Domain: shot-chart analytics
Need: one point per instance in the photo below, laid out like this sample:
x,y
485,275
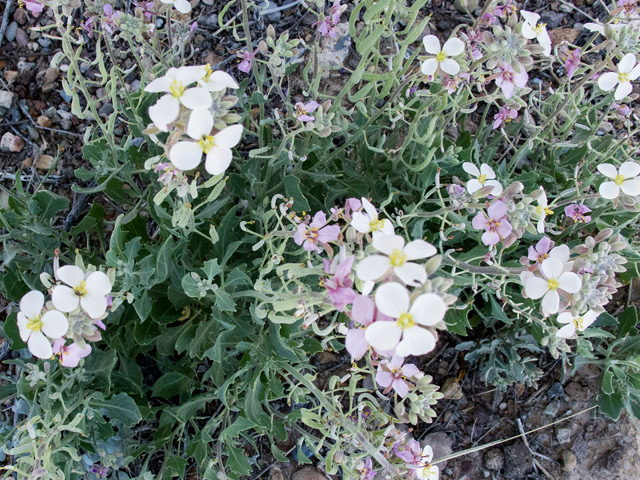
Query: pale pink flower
x,y
577,213
506,114
304,109
540,252
496,224
70,355
310,235
393,375
572,62
247,58
507,78
339,285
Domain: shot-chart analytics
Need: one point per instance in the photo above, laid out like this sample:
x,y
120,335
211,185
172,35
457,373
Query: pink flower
x,y
541,251
339,286
87,26
367,472
303,110
455,190
34,7
506,114
350,206
505,9
508,79
146,9
623,110
410,452
310,235
327,27
363,313
496,225
110,18
70,355
247,58
572,62
392,374
577,212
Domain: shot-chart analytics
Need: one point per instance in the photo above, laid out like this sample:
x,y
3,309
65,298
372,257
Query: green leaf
x,y
120,407
100,365
211,268
627,322
607,382
237,459
224,303
174,467
13,332
50,203
240,425
170,385
292,189
163,262
143,305
611,405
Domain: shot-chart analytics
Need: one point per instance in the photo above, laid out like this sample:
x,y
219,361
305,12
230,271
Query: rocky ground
x,y
40,136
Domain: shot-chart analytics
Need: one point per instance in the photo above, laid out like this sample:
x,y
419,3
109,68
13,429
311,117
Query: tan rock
x,y
11,143
26,163
559,35
43,121
451,389
308,473
569,461
10,75
44,163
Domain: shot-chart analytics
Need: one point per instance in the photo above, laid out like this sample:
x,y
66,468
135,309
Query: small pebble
x,y
569,461
11,32
44,163
494,460
6,99
11,143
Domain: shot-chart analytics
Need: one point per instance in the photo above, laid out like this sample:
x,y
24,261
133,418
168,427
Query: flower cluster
x,y
75,313
195,103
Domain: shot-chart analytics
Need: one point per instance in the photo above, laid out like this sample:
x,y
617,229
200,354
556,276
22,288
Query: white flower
x,y
601,28
405,334
34,325
627,71
90,292
183,6
175,82
547,288
532,29
452,48
398,259
369,222
217,81
217,148
579,323
625,179
427,471
542,210
484,177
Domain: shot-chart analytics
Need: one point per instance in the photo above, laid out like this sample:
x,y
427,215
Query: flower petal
x,y
388,243
473,186
158,85
229,137
471,169
428,309
431,44
54,324
561,252
609,190
218,160
164,111
416,341
627,63
392,299
373,267
569,282
624,89
565,317
453,47
94,305
31,303
450,66
497,187
629,169
186,155
22,326
552,268
567,331
411,273
631,187
356,343
71,275
64,298
200,123
383,335
39,346
196,97
190,74
608,170
550,302
429,66
183,6
98,284
536,287
530,17
419,249
607,81
220,80
487,171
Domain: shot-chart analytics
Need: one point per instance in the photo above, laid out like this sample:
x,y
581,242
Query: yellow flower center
x,y
176,88
579,323
441,56
207,144
208,71
539,28
541,211
623,77
80,289
553,284
542,257
397,258
405,321
548,211
619,180
482,178
34,324
375,224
